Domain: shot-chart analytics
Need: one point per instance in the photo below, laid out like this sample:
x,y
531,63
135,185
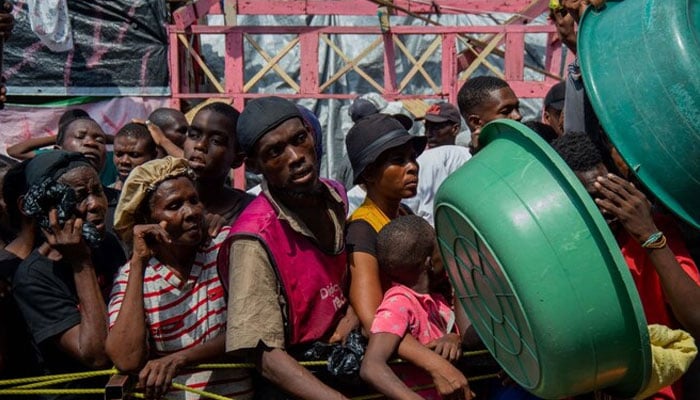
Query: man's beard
x,y
313,194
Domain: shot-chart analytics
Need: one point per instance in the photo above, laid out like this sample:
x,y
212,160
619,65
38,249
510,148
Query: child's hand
x,y
451,383
449,346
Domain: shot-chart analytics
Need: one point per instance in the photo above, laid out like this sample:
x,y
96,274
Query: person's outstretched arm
x,y
622,199
27,149
160,139
286,373
377,372
449,381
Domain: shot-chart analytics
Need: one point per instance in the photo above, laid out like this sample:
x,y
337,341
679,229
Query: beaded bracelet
x,y
656,240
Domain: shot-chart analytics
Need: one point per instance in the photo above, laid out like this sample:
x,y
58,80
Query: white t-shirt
x,y
435,164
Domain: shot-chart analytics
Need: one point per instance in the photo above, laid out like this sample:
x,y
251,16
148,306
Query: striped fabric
x,y
181,315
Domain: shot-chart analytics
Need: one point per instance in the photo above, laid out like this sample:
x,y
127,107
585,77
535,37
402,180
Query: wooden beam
x,y
230,12
418,64
189,14
467,56
214,80
351,64
482,56
272,63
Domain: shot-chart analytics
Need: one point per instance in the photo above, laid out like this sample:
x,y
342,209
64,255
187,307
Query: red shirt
x,y
648,283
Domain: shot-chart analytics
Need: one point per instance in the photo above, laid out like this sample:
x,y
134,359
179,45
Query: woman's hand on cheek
x,y
145,238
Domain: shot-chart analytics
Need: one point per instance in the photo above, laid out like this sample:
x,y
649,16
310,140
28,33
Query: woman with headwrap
x,y
167,309
59,286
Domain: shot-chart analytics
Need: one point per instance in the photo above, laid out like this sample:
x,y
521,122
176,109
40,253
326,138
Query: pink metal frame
x,y
514,35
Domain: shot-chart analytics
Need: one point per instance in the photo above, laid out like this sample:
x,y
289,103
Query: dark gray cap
x,y
53,163
260,116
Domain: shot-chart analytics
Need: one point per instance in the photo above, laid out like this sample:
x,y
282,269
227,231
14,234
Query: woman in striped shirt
x,y
167,310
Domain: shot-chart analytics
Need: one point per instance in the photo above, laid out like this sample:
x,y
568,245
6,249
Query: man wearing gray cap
x,y
553,107
285,258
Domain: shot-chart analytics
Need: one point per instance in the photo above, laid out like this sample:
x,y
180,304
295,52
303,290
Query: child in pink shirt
x,y
404,250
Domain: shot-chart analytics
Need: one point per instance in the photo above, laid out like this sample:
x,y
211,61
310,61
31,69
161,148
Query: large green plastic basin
x,y
640,61
538,271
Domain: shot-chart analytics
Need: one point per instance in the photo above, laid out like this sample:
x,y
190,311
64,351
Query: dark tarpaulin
x,y
120,48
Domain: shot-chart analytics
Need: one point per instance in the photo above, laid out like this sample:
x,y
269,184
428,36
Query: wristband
x,y
656,240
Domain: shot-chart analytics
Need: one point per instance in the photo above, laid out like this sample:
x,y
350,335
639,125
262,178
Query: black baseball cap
x,y
555,97
443,112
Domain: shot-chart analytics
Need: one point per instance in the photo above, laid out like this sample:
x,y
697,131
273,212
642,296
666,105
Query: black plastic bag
x,y
344,360
48,194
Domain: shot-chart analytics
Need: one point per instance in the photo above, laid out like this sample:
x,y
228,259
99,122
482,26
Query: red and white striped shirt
x,y
181,315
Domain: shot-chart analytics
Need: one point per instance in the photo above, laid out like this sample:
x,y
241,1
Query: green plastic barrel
x,y
640,61
538,271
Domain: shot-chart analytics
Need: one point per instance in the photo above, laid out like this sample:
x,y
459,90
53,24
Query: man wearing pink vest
x,y
285,257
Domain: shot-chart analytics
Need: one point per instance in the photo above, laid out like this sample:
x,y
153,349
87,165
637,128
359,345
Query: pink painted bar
x,y
363,7
320,96
530,89
234,66
174,64
524,89
449,67
368,30
308,45
390,86
515,53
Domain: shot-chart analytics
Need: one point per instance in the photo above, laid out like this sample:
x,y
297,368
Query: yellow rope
x,y
200,392
74,375
50,391
143,396
45,383
310,363
29,385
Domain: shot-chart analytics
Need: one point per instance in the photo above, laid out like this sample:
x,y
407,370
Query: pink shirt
x,y
426,316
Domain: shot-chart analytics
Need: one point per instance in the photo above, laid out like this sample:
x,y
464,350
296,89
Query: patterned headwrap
x,y
142,181
45,193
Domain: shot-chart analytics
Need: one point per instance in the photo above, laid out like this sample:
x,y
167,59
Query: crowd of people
x,y
159,264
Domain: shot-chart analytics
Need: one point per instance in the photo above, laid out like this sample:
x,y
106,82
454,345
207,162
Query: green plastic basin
x,y
539,272
640,61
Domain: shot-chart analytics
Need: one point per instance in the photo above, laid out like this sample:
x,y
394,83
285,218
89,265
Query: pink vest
x,y
312,281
